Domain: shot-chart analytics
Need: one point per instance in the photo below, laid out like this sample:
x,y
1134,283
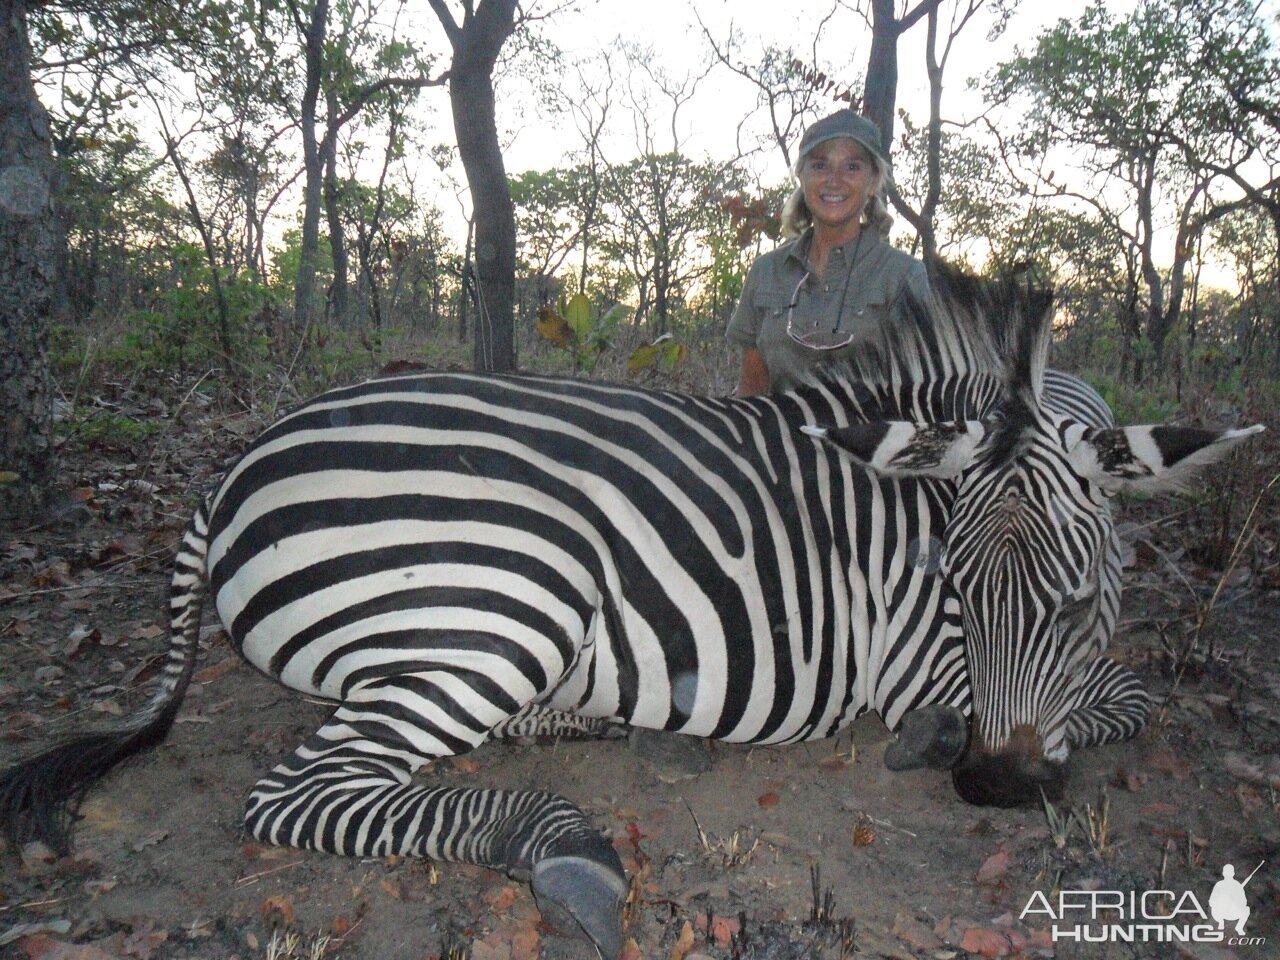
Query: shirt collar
x,y
798,248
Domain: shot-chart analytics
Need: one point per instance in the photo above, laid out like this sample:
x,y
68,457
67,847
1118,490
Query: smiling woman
x,y
838,282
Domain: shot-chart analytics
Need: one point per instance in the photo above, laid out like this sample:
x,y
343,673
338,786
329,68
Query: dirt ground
x,y
806,851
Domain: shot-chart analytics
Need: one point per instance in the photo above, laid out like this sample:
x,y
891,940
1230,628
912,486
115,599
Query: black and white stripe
x,y
652,559
453,558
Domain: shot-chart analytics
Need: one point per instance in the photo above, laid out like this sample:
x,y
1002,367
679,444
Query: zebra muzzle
x,y
933,737
1016,775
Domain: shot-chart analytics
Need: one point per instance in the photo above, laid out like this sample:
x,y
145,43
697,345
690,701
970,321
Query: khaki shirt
x,y
863,290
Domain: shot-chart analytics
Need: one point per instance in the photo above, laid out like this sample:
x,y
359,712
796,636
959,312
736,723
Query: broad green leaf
x,y
642,358
578,315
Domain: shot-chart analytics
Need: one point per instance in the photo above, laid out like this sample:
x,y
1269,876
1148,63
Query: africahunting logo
x,y
1151,916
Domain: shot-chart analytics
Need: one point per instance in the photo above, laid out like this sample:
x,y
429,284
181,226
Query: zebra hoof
x,y
578,895
934,737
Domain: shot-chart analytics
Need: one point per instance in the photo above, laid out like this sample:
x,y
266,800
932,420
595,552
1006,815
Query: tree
x,y
554,210
27,257
1166,106
28,225
880,94
333,75
476,42
662,211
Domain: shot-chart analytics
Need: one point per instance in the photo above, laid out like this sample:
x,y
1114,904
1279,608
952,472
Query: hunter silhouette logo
x,y
1228,901
1150,916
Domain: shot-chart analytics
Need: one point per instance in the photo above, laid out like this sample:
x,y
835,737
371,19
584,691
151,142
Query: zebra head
x,y
1031,552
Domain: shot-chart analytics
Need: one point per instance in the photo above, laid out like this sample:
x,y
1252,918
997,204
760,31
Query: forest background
x,y
241,203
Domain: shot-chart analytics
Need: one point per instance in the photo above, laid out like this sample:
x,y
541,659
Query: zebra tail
x,y
39,796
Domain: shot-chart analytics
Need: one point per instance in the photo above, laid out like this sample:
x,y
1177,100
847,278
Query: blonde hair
x,y
796,217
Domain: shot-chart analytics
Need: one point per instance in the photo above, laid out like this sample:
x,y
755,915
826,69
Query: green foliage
x,y
665,353
1162,108
585,333
104,428
1134,404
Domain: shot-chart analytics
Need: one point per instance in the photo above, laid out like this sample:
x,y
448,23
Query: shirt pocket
x,y
771,302
869,311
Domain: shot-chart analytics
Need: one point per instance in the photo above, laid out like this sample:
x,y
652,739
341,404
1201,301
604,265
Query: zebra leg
x,y
1114,706
538,721
348,792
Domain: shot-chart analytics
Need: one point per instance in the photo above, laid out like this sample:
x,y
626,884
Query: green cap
x,y
844,123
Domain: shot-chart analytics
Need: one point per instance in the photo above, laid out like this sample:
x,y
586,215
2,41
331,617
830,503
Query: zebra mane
x,y
986,337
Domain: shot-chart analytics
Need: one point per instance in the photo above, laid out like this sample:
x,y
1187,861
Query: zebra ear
x,y
898,448
1151,458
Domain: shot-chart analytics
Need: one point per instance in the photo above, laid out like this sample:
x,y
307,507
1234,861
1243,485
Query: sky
x,y
669,34
671,29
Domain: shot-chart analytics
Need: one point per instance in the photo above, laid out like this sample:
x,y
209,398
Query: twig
x,y
891,826
255,877
4,598
1236,550
34,903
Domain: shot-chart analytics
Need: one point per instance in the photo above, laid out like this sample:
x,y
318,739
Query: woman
x,y
838,281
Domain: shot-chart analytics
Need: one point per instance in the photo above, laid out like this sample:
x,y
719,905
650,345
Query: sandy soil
x,y
726,844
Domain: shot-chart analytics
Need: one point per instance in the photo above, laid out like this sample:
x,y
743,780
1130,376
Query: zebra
x,y
450,558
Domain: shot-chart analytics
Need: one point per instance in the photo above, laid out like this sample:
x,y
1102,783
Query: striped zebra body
x,y
451,558
652,559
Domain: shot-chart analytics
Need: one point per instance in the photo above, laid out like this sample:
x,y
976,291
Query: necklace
x,y
848,277
823,339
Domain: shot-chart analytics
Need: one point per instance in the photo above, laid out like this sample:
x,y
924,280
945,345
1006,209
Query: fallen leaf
x,y
1166,761
723,930
343,926
143,943
985,943
150,840
278,908
78,635
1250,771
916,934
31,929
994,868
524,944
482,950
836,761
684,943
864,834
215,671
1131,780
500,898
42,947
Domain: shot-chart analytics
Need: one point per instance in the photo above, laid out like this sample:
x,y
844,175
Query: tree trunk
x,y
27,262
466,279
476,45
880,92
304,290
339,293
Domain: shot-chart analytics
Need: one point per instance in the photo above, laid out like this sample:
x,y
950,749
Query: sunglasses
x,y
822,340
